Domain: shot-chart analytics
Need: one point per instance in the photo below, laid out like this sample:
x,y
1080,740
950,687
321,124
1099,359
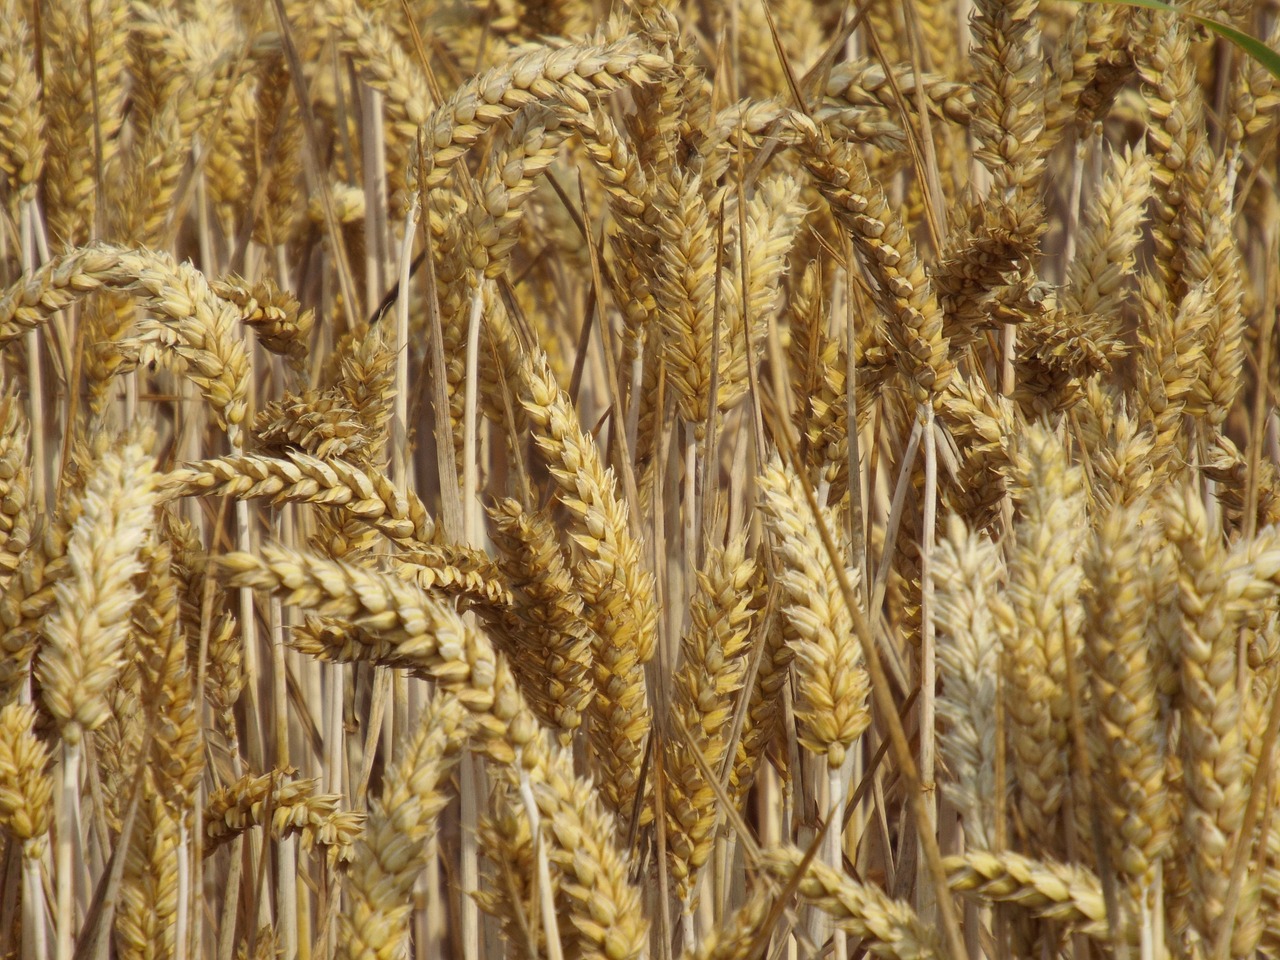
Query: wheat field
x,y
551,479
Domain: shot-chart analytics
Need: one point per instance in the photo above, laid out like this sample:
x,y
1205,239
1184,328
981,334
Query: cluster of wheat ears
x,y
516,478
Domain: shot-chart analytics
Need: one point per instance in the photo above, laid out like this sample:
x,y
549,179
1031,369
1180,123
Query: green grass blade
x,y
1249,44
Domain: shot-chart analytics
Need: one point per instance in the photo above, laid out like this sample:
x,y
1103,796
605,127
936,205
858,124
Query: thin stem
x,y
837,790
925,905
546,893
68,828
184,887
35,938
35,375
400,409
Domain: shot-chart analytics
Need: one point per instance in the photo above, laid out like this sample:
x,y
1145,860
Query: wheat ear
x,y
888,928
1044,584
970,598
194,327
706,684
833,684
299,478
393,849
1048,889
617,590
26,810
545,633
295,809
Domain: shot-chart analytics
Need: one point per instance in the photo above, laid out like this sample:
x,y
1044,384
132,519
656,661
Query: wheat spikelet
x,y
671,110
575,73
818,365
159,655
686,297
15,509
28,598
865,83
978,423
1227,467
888,928
1210,581
509,891
182,60
1253,99
1122,474
319,423
1171,363
1008,92
84,98
914,327
772,218
1089,66
392,850
967,579
85,633
230,154
630,196
146,915
277,318
1210,255
1175,140
1109,237
137,209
